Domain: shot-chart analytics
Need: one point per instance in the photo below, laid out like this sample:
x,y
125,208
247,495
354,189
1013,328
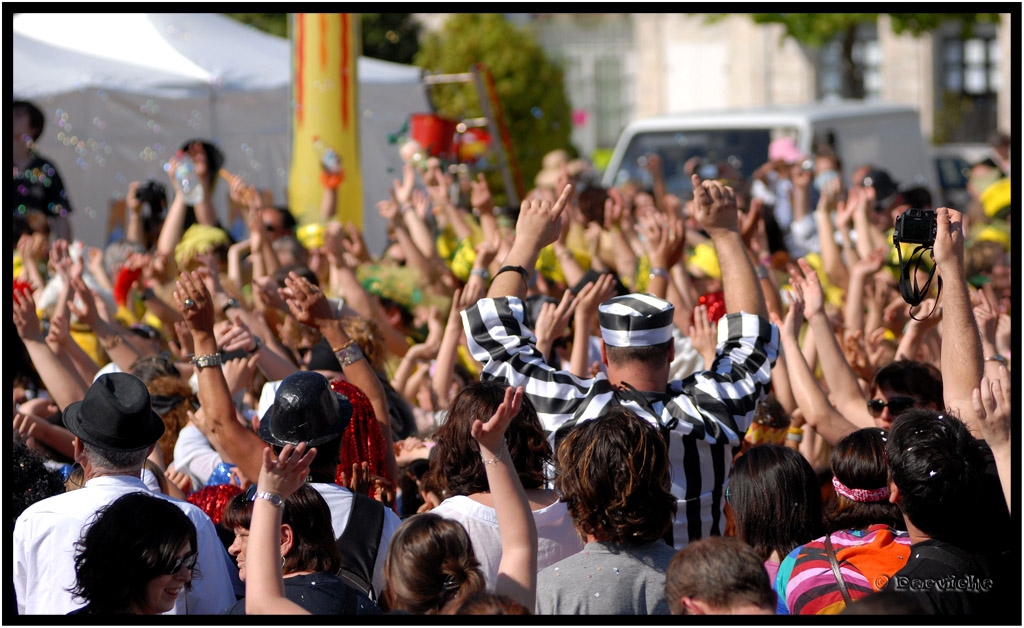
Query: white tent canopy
x,y
122,92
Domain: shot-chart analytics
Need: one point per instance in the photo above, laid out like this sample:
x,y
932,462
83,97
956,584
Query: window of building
x,y
849,66
969,84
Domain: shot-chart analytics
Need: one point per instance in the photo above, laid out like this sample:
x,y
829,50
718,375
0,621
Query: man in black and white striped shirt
x,y
703,417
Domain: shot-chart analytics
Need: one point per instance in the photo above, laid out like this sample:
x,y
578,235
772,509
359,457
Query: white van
x,y
884,135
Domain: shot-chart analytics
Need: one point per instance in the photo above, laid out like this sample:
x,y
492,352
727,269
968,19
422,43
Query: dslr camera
x,y
153,194
915,226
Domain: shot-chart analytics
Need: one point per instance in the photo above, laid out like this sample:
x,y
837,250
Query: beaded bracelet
x,y
497,459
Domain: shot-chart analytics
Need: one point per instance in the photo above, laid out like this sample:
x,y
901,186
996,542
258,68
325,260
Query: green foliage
x,y
273,23
390,36
816,29
528,84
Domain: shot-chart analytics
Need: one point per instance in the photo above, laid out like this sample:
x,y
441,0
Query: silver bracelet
x,y
348,353
496,460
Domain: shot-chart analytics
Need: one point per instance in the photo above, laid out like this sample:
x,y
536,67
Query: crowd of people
x,y
744,399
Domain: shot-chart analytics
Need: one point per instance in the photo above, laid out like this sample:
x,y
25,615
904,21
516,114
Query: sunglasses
x,y
897,405
727,497
145,331
188,560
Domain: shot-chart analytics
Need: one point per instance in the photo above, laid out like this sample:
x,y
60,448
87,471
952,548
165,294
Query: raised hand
x,y
553,321
285,474
307,302
404,188
540,222
704,335
594,294
25,319
806,278
714,205
993,406
480,195
948,250
194,302
492,433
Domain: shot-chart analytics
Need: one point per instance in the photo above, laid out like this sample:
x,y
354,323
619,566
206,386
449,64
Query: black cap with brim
x,y
115,414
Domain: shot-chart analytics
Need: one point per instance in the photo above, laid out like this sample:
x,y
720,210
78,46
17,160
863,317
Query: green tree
x,y
816,29
528,84
273,23
390,36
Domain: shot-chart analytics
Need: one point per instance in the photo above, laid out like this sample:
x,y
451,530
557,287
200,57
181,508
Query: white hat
x,y
635,320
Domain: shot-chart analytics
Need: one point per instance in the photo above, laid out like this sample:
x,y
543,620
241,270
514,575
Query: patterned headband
x,y
861,495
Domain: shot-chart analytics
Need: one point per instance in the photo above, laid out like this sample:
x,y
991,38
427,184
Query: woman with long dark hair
x,y
776,502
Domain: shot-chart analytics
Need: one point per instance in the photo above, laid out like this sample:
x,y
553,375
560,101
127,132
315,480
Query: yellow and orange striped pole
x,y
325,50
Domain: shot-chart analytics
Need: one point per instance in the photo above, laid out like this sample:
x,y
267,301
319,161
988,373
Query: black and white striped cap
x,y
635,320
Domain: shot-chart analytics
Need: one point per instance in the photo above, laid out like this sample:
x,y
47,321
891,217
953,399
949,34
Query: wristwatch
x,y
203,361
274,499
230,303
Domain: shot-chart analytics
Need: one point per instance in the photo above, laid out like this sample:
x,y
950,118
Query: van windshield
x,y
721,153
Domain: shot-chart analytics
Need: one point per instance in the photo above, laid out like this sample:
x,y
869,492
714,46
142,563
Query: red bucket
x,y
434,133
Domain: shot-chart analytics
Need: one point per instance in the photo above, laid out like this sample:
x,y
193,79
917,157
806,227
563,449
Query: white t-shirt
x,y
556,535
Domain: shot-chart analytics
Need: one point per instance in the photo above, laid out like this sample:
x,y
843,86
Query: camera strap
x,y
915,294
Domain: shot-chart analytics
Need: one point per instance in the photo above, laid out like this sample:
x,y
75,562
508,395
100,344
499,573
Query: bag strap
x,y
360,542
831,552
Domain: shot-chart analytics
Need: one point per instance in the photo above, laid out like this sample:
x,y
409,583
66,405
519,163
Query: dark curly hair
x,y
430,563
32,479
455,463
858,461
938,468
613,475
131,541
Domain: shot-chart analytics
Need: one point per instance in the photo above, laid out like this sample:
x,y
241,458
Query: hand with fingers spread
x,y
669,250
307,302
553,322
591,296
355,244
239,373
704,335
994,414
404,189
26,321
480,195
358,481
804,276
60,332
184,341
287,472
993,405
490,435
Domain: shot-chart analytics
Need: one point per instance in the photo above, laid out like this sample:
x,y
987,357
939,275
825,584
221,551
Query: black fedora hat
x,y
305,410
115,414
